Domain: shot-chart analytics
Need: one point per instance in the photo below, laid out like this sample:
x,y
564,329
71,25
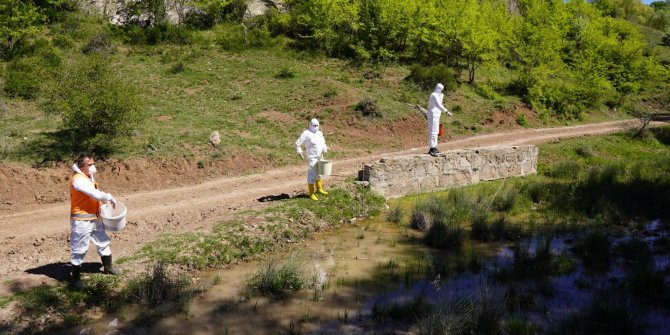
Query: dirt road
x,y
37,235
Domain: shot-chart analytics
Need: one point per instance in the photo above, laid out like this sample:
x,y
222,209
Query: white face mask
x,y
92,170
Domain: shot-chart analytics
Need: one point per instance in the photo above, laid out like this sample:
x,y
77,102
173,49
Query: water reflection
x,y
367,275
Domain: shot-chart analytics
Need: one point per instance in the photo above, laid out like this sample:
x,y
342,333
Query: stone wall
x,y
398,176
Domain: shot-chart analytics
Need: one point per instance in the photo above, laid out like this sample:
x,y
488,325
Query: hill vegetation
x,y
73,82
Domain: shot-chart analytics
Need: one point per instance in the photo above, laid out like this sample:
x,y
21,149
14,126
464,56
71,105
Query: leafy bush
x,y
428,76
238,37
199,19
666,39
23,78
368,108
96,105
156,34
521,120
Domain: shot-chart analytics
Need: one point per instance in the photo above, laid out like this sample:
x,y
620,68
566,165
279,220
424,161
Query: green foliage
x,y
521,120
223,10
239,37
99,44
156,34
285,73
18,20
368,108
427,76
97,107
23,78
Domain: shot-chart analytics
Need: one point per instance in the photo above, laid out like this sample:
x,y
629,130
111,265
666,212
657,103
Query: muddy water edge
x,y
374,276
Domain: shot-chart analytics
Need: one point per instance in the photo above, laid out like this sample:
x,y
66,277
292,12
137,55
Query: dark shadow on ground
x,y
269,198
61,270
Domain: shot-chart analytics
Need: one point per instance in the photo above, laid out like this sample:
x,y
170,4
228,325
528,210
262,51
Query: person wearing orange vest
x,y
85,222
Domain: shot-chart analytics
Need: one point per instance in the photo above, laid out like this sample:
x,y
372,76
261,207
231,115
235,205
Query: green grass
x,y
290,220
274,277
258,98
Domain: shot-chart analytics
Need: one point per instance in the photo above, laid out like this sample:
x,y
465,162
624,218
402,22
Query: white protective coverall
x,y
83,231
315,145
435,110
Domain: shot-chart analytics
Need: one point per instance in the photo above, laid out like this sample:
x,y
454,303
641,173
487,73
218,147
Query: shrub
x,y
368,108
177,68
285,73
666,39
428,76
521,120
199,19
240,37
23,78
99,44
585,151
96,105
155,34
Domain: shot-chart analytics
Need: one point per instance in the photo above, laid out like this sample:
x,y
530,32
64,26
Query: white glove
x,y
113,202
301,155
325,149
448,112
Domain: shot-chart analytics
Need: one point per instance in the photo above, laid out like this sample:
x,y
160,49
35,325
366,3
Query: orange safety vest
x,y
82,207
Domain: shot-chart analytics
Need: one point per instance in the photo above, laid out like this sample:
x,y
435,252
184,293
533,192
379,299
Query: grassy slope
x,y
240,95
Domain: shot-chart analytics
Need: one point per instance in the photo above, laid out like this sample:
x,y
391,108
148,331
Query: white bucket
x,y
324,167
114,219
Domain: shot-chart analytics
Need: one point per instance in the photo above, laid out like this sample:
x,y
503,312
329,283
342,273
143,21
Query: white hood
x,y
76,169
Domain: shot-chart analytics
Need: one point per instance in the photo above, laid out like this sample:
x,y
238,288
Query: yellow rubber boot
x,y
311,192
319,187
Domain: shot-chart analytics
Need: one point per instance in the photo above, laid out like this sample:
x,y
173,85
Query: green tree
x,y
18,20
97,106
480,28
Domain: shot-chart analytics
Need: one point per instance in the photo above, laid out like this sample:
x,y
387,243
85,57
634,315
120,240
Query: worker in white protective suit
x,y
435,110
85,222
315,145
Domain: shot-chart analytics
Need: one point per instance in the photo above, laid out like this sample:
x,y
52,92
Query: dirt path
x,y
38,236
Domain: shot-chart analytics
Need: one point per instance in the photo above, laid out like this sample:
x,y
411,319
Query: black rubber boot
x,y
433,152
75,279
107,264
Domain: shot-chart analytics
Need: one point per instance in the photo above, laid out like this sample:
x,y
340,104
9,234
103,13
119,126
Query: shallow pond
x,y
362,271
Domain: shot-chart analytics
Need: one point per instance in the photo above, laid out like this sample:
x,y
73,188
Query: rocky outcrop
x,y
401,175
116,11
